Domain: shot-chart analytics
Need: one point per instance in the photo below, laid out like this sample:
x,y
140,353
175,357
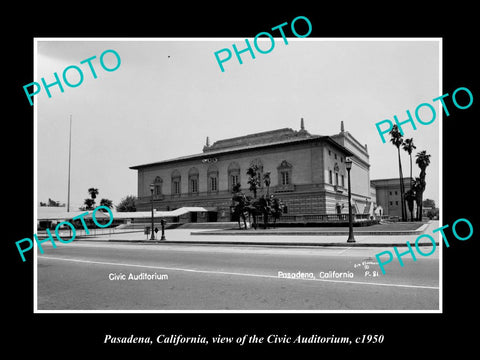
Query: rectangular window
x,y
343,180
285,178
391,203
213,184
330,179
158,190
234,180
176,187
336,178
194,185
396,202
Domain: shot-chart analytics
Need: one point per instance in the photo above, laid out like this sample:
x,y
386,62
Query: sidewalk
x,y
378,229
364,237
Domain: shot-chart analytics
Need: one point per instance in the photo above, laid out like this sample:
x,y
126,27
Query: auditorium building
x,y
307,173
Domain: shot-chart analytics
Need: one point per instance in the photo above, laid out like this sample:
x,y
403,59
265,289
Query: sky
x,y
168,95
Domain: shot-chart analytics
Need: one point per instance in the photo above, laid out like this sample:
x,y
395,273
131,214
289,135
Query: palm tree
x,y
267,181
89,204
253,179
106,202
408,146
410,198
419,187
239,203
396,138
423,160
93,193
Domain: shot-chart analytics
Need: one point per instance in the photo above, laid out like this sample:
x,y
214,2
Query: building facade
x,y
307,173
388,196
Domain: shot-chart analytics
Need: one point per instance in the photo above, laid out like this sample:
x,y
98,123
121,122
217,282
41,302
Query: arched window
x,y
233,174
212,179
193,181
176,183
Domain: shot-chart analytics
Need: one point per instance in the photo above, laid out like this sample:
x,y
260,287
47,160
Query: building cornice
x,y
232,150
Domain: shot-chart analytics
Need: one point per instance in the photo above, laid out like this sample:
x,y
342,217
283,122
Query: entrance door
x,y
193,217
338,207
212,216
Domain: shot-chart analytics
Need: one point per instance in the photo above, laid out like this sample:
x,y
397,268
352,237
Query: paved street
x,y
94,275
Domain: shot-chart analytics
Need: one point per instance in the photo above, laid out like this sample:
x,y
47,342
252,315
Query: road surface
x,y
108,276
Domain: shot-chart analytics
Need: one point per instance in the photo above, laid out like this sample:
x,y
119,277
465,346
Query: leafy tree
x,y
127,204
429,203
396,138
277,208
253,179
53,203
432,213
265,206
89,204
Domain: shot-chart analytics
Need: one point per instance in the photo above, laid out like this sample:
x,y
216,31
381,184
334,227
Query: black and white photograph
x,y
295,181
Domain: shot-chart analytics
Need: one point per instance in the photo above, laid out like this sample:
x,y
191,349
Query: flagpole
x,y
69,159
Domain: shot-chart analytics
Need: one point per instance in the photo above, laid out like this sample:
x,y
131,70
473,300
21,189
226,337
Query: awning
x,y
156,213
45,213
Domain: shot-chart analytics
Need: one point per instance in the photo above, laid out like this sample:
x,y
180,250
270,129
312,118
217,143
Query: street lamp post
x,y
351,239
152,236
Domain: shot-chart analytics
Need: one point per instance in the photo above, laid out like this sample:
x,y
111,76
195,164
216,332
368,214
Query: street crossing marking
x,y
235,273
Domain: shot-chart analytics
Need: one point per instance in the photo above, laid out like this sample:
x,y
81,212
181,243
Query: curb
x,y
333,233
261,232
257,243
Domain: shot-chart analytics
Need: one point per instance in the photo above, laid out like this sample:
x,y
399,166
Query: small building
x,y
388,196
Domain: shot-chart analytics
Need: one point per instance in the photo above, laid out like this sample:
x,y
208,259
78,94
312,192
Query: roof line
x,y
245,148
